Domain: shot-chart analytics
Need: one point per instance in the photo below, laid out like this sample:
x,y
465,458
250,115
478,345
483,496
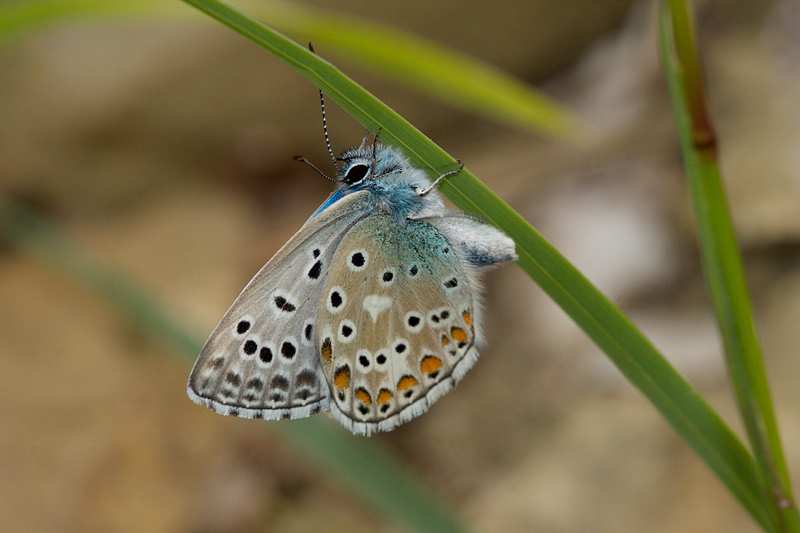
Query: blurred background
x,y
164,147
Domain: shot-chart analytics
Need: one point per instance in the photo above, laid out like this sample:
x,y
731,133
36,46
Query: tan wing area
x,y
396,328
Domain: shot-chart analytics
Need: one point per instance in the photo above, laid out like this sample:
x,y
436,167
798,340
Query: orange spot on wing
x,y
459,335
326,351
406,382
467,318
445,340
430,364
341,379
384,396
363,395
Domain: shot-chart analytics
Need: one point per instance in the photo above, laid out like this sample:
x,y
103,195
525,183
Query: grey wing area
x,y
261,361
398,327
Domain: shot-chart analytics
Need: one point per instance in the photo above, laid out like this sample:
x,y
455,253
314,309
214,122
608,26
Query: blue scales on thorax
x,y
392,182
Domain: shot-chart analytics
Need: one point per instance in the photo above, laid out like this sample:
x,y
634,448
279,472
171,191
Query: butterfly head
x,y
364,164
393,182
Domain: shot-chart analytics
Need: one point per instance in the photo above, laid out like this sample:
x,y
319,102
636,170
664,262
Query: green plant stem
x,y
722,262
454,78
450,76
633,354
21,15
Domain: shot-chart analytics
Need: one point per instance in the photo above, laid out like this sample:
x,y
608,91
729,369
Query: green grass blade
x,y
369,471
452,77
640,362
23,229
442,73
22,15
722,262
633,354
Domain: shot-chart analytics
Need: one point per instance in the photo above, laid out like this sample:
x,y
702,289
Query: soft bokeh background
x,y
165,147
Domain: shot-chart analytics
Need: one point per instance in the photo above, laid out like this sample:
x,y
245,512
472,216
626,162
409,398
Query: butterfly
x,y
371,310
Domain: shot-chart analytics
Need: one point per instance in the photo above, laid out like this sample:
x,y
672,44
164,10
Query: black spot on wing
x,y
250,347
315,270
284,305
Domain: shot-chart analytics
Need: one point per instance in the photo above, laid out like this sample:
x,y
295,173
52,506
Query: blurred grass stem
x,y
722,261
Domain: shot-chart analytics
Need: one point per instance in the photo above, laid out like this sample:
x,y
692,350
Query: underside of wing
x,y
262,360
397,327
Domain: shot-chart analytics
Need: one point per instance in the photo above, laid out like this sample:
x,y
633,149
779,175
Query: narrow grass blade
x,y
633,354
722,261
452,77
372,473
22,15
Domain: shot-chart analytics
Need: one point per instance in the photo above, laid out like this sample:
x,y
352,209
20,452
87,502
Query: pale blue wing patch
x,y
398,325
262,360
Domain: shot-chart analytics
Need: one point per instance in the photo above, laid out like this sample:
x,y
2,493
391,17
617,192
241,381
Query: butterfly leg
x,y
429,188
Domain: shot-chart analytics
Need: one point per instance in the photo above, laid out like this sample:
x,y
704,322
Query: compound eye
x,y
356,173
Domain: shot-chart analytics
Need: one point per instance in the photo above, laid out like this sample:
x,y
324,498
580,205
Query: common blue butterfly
x,y
370,311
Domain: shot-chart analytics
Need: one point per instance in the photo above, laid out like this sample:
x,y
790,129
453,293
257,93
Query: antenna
x,y
429,188
324,121
325,128
312,165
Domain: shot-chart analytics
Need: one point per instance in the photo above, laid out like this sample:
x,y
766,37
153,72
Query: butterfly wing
x,y
397,327
261,361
